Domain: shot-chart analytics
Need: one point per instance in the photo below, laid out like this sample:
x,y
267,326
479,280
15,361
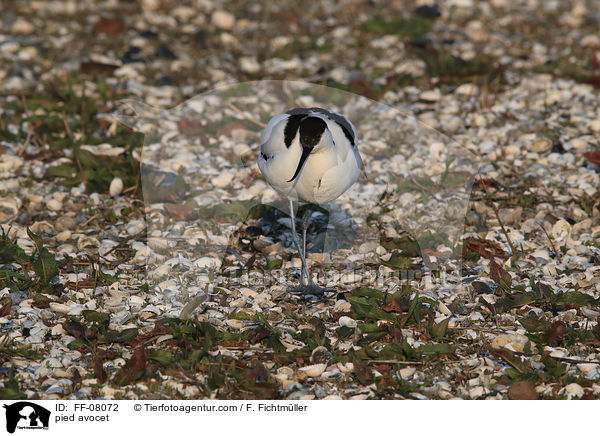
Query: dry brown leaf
x,y
110,26
555,334
484,248
522,390
97,68
509,357
396,306
133,370
99,369
75,329
6,306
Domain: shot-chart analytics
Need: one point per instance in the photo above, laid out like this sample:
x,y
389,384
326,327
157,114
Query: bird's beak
x,y
305,152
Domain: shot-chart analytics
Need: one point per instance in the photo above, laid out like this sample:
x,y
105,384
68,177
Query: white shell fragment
x,y
346,321
116,186
314,370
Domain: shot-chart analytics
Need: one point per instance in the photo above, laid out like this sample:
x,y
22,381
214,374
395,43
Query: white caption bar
x,y
220,417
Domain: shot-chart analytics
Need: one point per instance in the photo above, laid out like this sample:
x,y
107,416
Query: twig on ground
x,y
552,244
76,149
83,113
27,140
67,128
25,108
90,220
246,117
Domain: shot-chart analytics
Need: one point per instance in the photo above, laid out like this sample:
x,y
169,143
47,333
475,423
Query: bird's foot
x,y
310,289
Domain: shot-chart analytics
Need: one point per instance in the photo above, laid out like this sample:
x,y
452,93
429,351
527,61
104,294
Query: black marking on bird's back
x,y
348,135
291,128
303,110
311,130
265,156
341,120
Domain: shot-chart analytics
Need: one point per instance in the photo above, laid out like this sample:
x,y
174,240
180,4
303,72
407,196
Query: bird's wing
x,y
342,144
268,132
344,123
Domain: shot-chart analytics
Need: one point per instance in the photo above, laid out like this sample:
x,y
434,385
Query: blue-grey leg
x,y
305,221
305,280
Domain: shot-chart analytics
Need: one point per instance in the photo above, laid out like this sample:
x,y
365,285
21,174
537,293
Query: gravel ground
x,y
143,256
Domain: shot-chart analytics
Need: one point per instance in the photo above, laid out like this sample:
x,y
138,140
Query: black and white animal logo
x,y
26,415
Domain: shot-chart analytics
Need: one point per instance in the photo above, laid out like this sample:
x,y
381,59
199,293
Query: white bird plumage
x,y
332,166
310,155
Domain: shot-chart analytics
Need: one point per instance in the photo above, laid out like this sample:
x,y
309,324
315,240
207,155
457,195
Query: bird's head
x,y
313,137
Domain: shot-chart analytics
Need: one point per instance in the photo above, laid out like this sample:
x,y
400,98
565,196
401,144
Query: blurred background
x,y
180,48
69,61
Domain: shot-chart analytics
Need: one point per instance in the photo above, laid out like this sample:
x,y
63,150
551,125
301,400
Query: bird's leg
x,y
307,279
304,274
307,286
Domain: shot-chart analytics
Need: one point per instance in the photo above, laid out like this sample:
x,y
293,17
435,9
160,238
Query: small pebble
x,y
467,89
430,96
23,27
407,372
116,186
54,205
541,145
223,20
346,321
222,180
